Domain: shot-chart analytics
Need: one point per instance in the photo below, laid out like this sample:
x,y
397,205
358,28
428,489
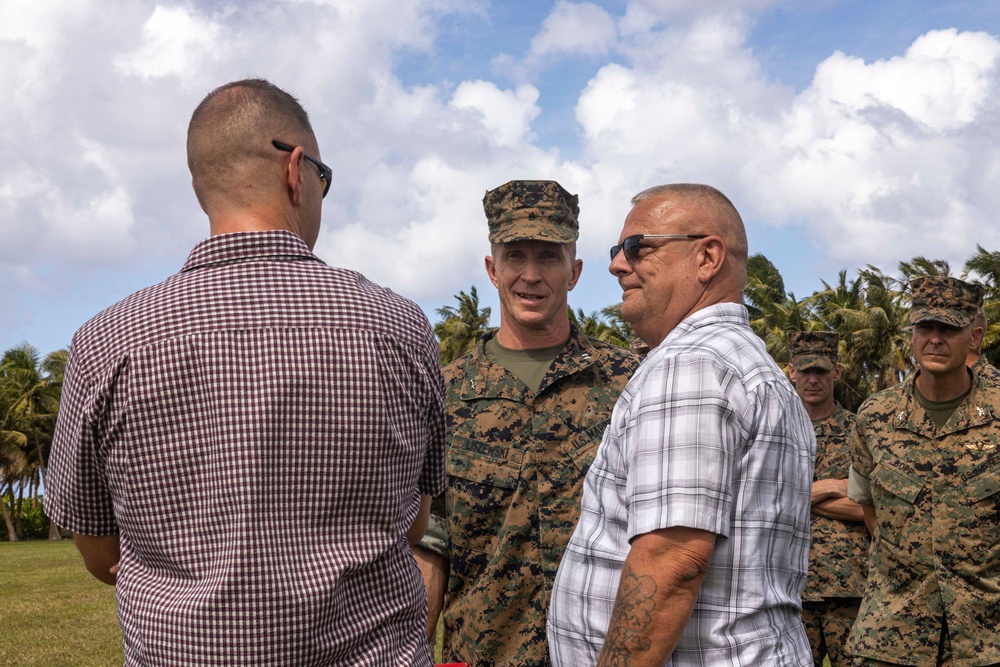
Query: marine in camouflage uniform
x,y
986,371
931,490
838,554
517,455
977,362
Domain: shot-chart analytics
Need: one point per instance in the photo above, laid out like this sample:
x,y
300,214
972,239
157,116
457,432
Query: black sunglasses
x,y
325,173
632,244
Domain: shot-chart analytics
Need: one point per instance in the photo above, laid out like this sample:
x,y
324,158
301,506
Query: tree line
x,y
869,312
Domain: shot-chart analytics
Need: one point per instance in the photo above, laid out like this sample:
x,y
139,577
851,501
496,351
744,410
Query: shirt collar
x,y
245,246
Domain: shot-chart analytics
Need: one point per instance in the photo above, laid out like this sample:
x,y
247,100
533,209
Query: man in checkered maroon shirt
x,y
248,448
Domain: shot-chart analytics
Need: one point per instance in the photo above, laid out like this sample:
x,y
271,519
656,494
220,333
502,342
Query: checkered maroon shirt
x,y
256,429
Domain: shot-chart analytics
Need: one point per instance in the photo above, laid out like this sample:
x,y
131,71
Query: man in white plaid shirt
x,y
692,544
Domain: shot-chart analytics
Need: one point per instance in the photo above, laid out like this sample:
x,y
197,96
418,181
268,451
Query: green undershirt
x,y
939,412
529,366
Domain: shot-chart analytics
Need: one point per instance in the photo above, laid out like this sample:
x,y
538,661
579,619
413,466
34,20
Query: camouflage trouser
x,y
828,624
944,656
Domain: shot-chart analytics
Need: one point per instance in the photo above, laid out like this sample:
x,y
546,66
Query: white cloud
x,y
574,28
174,41
874,161
883,160
940,83
643,15
506,115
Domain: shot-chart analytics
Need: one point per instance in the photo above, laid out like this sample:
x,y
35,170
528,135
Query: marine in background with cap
x,y
926,469
838,554
526,411
977,361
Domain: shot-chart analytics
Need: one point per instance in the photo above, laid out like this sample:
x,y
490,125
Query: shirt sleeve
x,y
432,477
859,488
436,537
679,447
77,496
861,455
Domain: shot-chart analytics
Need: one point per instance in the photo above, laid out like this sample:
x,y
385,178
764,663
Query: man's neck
x,y
822,411
516,338
944,387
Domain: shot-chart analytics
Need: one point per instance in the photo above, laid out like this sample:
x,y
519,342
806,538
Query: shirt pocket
x,y
480,492
982,495
582,448
895,491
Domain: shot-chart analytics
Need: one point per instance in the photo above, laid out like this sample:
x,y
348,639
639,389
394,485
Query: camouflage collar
x,y
484,379
976,410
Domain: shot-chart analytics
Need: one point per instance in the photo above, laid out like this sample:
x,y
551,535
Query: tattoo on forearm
x,y
631,617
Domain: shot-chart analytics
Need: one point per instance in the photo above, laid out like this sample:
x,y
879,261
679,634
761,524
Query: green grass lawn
x,y
52,611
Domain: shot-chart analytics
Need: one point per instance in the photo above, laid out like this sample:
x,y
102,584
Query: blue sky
x,y
847,133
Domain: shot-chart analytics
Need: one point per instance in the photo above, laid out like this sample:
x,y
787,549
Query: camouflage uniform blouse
x,y
936,548
515,462
986,370
838,556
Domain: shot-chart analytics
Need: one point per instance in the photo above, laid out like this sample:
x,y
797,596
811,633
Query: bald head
x,y
682,248
229,143
706,211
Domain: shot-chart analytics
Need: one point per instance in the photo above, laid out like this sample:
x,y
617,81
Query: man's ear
x,y
574,276
294,175
711,257
491,270
977,337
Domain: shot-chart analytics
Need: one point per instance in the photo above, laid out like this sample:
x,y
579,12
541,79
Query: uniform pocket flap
x,y
498,466
983,485
900,483
582,447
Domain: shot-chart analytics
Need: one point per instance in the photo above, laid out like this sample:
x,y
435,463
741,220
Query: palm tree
x,y
605,325
882,337
764,288
13,468
921,266
984,268
623,330
460,327
30,391
774,314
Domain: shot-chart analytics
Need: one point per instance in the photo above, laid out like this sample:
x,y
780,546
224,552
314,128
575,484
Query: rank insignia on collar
x,y
585,356
980,410
901,416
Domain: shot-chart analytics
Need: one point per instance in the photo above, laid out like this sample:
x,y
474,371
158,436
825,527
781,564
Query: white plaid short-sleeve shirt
x,y
708,434
257,429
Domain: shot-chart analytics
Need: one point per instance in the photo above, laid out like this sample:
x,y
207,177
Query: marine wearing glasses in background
x,y
925,466
526,411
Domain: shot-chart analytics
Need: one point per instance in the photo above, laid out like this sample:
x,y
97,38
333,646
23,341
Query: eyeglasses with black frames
x,y
633,244
325,173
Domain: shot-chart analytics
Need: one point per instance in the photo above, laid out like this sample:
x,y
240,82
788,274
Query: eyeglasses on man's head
x,y
325,173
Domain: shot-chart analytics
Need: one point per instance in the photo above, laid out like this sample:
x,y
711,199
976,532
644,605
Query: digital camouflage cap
x,y
532,210
814,349
944,299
